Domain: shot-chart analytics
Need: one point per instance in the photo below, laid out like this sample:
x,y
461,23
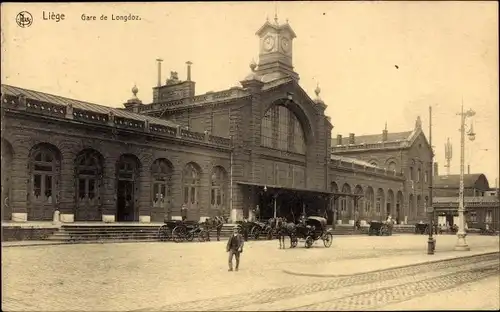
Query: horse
x,y
285,229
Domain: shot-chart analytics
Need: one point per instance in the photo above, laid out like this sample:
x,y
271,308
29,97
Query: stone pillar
x,y
19,186
143,187
109,190
67,186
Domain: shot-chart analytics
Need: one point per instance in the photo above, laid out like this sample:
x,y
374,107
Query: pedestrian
x,y
235,248
245,228
219,223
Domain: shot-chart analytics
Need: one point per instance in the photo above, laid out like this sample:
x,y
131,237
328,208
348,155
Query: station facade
x,y
263,148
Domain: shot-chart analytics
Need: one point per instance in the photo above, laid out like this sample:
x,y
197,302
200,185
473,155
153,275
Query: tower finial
x,y
386,126
317,90
135,90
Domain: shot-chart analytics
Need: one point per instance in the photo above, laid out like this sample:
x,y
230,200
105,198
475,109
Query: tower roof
x,y
276,27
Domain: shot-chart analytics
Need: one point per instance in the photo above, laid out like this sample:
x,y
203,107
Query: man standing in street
x,y
235,248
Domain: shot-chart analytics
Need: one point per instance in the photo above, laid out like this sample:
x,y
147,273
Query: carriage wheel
x,y
383,231
178,234
309,241
294,241
202,236
189,236
255,233
327,240
163,233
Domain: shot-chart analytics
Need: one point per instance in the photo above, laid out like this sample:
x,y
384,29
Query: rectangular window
x,y
81,189
219,198
48,186
193,195
213,197
186,195
378,206
92,188
37,185
489,216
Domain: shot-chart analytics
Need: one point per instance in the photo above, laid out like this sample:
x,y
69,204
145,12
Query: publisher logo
x,y
24,19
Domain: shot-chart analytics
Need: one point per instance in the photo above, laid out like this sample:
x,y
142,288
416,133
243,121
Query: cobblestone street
x,y
193,276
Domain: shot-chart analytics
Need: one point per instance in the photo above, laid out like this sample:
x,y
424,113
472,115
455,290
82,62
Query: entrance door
x,y
388,209
125,201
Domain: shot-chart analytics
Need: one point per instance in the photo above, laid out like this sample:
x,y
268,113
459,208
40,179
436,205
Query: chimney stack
x,y
436,169
384,133
159,60
351,138
188,70
468,169
339,139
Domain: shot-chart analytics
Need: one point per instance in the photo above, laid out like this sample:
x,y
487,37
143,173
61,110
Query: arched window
x,y
418,174
217,193
280,129
162,178
88,167
191,181
391,166
44,181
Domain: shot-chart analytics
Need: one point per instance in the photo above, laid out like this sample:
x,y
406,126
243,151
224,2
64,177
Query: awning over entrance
x,y
279,187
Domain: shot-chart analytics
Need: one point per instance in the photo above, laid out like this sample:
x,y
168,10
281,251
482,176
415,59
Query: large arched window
x,y
191,181
280,129
88,167
218,189
161,171
44,172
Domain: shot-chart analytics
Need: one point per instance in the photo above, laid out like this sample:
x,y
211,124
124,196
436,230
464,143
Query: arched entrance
x,y
390,204
127,189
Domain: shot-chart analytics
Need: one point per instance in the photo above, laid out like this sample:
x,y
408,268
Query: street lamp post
x,y
461,234
431,242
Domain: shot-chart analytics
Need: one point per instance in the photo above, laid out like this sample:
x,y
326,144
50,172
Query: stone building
x,y
481,207
265,145
405,153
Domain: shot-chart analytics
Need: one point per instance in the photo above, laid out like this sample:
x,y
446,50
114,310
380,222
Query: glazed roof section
x,y
54,106
86,106
375,141
350,164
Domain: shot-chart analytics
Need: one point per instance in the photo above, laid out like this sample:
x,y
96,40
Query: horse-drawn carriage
x,y
313,229
178,231
380,228
255,229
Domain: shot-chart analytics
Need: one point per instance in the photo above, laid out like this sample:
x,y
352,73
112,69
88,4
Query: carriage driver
x,y
234,247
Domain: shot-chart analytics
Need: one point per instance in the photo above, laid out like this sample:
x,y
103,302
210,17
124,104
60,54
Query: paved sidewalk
x,y
359,266
27,243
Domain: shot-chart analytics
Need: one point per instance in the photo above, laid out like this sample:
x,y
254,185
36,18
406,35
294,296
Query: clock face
x,y
268,43
285,44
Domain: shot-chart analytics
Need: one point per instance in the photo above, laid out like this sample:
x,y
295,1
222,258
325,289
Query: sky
x,y
375,62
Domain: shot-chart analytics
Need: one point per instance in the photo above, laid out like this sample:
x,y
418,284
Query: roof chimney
x,y
351,138
339,139
468,169
384,133
188,70
436,169
159,60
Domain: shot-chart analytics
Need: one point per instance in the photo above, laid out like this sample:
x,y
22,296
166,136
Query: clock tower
x,y
275,53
